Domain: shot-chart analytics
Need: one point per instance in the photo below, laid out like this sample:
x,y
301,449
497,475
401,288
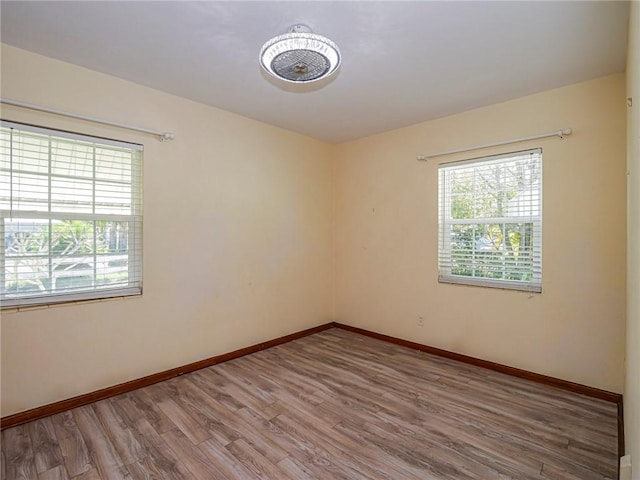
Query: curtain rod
x,y
161,135
558,133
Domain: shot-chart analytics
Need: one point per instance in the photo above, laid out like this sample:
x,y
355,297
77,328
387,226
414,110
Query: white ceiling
x,y
403,62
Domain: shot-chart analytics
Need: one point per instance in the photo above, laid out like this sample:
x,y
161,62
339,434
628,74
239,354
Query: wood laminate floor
x,y
334,405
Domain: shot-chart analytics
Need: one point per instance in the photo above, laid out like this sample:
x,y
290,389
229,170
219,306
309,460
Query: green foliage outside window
x,y
62,255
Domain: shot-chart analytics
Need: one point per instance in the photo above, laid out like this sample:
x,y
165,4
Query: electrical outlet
x,y
420,322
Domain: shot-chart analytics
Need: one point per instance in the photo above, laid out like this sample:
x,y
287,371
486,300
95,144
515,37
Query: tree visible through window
x,y
70,216
490,224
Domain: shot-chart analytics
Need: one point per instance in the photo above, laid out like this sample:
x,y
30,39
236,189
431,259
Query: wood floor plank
x,y
160,458
212,415
327,458
307,448
138,404
295,470
3,463
242,393
72,445
255,462
91,474
118,432
231,467
249,379
127,410
192,457
335,405
101,451
56,473
310,453
551,472
184,421
285,373
433,431
47,454
215,385
227,423
19,454
144,470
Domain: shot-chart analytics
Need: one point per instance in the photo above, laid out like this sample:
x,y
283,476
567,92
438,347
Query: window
x,y
70,216
490,221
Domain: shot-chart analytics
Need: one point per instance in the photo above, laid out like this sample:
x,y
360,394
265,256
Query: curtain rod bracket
x,y
564,131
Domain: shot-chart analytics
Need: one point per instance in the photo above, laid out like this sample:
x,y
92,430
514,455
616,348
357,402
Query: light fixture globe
x,y
300,56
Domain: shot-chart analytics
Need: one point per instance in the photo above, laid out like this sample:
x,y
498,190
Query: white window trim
x,y
134,254
445,222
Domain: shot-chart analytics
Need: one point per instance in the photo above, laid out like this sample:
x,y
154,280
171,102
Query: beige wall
x,y
270,231
236,239
632,386
386,223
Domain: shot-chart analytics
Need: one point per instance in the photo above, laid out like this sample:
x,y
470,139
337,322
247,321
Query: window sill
x,y
28,308
500,285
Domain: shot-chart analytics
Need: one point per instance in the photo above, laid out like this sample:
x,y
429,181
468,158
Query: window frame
x,y
445,222
133,220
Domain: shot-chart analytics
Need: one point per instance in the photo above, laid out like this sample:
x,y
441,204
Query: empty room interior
x,y
320,240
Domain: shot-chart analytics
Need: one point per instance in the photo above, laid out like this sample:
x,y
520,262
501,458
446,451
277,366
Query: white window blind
x,y
70,216
490,221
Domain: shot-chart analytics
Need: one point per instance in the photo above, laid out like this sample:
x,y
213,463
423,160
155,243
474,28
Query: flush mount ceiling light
x,y
300,56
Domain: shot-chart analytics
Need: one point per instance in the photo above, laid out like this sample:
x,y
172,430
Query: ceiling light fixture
x,y
300,56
